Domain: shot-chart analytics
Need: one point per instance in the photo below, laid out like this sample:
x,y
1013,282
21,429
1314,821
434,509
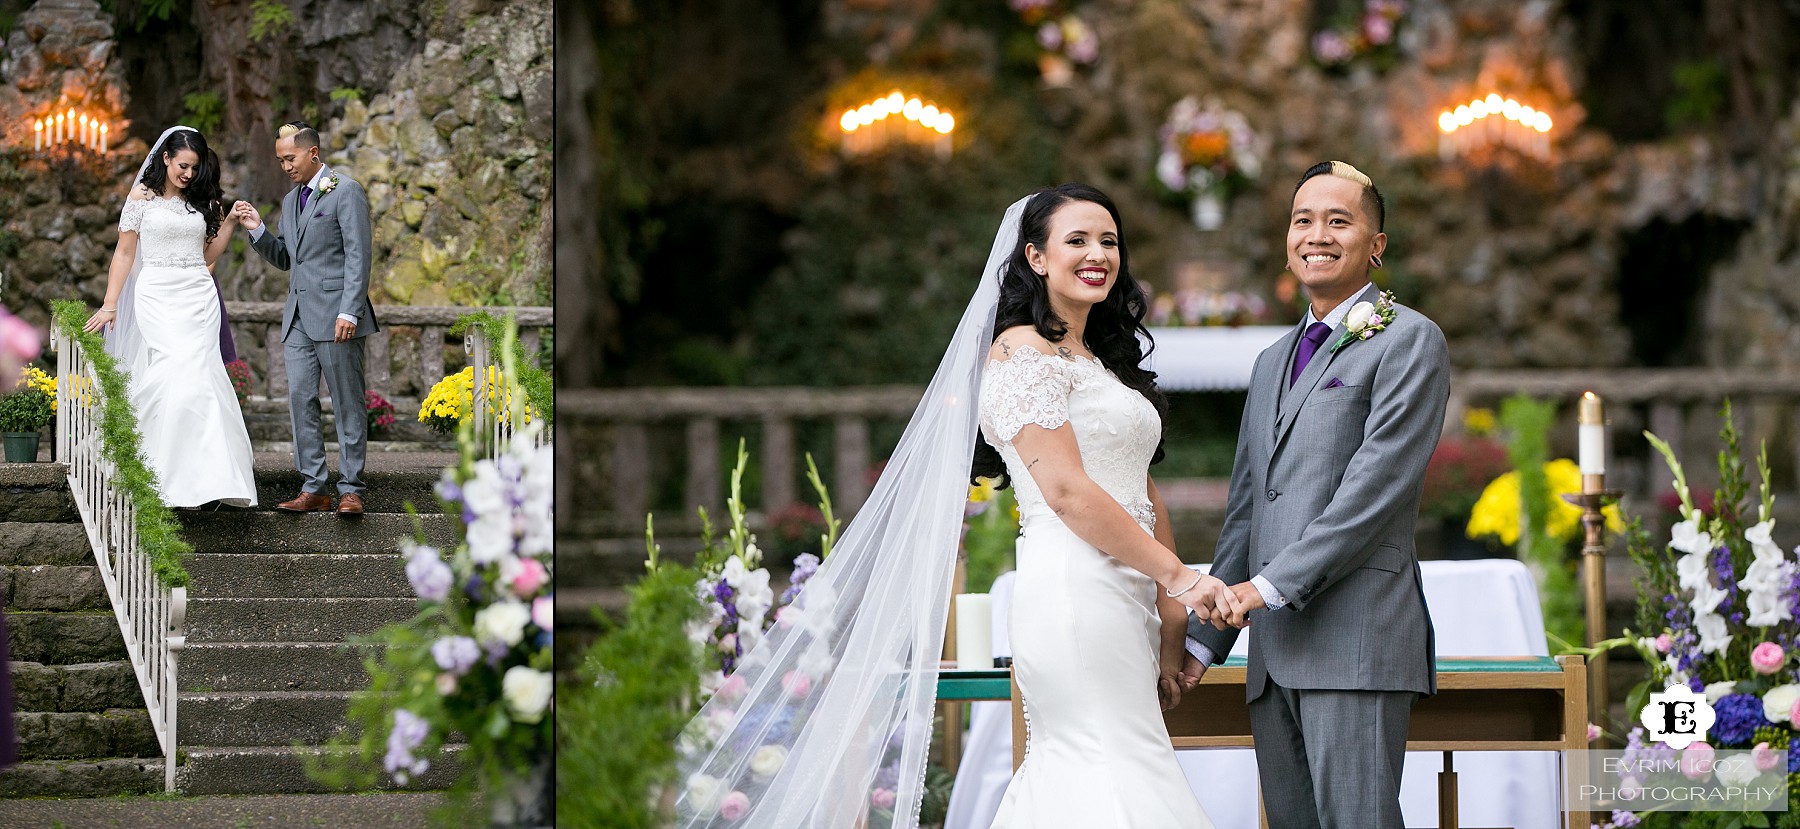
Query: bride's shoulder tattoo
x,y
1005,348
1065,352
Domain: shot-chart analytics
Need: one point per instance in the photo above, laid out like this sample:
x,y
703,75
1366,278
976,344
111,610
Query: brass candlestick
x,y
1593,562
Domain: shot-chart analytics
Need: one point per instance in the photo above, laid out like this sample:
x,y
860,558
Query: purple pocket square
x,y
1335,384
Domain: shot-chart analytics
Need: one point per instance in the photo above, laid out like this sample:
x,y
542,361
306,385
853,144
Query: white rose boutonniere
x,y
329,184
1366,319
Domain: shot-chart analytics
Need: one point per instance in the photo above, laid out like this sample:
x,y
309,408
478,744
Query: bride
x,y
162,313
826,722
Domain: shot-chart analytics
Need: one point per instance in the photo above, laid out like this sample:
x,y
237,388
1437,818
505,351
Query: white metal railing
x,y
495,433
152,617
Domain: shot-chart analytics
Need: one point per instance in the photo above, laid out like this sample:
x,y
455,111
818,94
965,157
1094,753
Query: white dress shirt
x,y
256,232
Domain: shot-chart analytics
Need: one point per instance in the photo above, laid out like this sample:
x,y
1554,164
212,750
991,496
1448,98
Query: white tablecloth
x,y
1487,607
1209,358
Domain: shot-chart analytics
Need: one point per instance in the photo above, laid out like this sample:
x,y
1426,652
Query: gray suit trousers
x,y
342,366
1331,759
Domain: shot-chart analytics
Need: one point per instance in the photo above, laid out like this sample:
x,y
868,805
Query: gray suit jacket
x,y
1324,495
327,254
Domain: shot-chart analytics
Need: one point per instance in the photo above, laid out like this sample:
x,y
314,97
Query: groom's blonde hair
x,y
302,133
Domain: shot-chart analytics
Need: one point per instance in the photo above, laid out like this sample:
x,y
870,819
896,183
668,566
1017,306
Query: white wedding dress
x,y
193,434
1084,626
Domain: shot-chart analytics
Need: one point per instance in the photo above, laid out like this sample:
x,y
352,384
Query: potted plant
x,y
380,412
25,411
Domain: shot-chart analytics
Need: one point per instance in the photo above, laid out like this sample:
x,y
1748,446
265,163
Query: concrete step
x,y
298,575
36,493
342,810
271,769
103,777
115,732
93,686
265,532
292,620
64,638
26,544
388,490
263,718
272,666
53,587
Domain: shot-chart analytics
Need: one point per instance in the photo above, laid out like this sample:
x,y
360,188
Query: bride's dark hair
x,y
1113,324
202,193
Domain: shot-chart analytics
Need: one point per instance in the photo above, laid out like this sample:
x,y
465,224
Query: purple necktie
x,y
1309,345
304,192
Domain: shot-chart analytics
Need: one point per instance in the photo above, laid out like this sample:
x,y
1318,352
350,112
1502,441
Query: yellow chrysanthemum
x,y
37,378
982,492
1480,422
1496,513
454,395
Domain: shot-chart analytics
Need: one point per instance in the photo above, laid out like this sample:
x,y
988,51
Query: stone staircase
x,y
83,730
273,598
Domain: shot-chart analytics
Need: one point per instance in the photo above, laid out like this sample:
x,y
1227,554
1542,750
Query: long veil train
x,y
838,699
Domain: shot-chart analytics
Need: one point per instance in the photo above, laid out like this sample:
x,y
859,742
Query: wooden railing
x,y
609,449
402,360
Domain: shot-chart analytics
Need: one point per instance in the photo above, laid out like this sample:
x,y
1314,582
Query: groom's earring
x,y
1375,260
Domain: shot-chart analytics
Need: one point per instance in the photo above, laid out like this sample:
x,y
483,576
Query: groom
x,y
1342,415
323,240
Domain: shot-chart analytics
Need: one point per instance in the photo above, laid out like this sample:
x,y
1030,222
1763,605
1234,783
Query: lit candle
x,y
70,135
84,131
104,129
1591,426
38,132
975,631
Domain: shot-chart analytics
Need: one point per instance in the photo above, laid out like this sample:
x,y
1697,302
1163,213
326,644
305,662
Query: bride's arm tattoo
x,y
1065,352
1004,348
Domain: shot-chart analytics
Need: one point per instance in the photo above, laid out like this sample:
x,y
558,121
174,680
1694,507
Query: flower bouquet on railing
x,y
477,659
452,401
1209,154
1717,611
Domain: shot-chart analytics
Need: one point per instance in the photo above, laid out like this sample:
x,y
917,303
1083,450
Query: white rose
x,y
1736,770
703,795
1717,691
502,622
1361,314
1778,702
527,693
767,761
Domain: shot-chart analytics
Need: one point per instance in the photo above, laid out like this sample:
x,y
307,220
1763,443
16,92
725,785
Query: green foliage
x,y
205,110
346,93
139,15
269,17
158,533
536,382
25,410
622,714
990,541
1526,422
1700,96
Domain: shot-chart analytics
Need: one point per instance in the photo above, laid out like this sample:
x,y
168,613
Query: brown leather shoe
x,y
350,503
307,502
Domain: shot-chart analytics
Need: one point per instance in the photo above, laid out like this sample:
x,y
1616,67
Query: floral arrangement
x,y
1719,611
1496,513
380,412
476,659
1370,35
241,378
1064,38
31,404
1209,153
1458,471
452,400
990,534
1196,308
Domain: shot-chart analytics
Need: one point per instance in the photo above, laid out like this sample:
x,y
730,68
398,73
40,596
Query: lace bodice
x,y
171,234
1115,427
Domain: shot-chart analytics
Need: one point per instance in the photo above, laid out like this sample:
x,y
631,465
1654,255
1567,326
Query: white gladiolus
x,y
1707,599
1689,538
1693,571
527,693
1713,632
1778,702
1766,609
502,622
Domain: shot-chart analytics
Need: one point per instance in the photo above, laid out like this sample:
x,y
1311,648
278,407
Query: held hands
x,y
1245,598
1192,670
1209,598
246,215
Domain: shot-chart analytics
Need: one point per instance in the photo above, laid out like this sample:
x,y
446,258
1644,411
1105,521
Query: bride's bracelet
x,y
1198,577
109,310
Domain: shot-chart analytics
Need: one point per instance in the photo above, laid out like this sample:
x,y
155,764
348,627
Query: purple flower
x,y
1331,48
1378,29
1738,717
1793,760
426,570
456,654
805,565
408,734
1624,820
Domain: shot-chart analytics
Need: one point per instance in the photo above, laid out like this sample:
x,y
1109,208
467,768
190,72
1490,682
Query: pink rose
x,y
543,612
733,687
1794,712
798,685
1663,644
1764,757
1697,761
531,576
882,798
1593,732
734,806
1767,658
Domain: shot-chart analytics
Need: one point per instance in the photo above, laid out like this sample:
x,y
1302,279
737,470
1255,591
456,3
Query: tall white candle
x,y
38,140
104,129
1591,426
974,631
